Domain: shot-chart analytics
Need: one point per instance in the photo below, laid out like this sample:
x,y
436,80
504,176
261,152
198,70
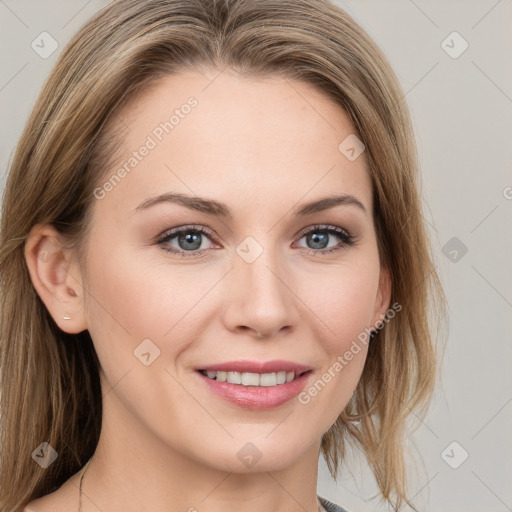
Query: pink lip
x,y
257,397
273,366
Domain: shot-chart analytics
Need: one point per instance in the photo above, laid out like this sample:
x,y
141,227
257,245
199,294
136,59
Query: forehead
x,y
234,137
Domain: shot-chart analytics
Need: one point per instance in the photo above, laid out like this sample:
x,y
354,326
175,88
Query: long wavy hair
x,y
49,380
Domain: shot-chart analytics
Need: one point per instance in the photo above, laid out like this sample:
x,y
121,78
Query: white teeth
x,y
234,378
268,379
252,379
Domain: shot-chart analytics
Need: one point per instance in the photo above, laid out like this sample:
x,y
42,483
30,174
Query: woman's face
x,y
260,282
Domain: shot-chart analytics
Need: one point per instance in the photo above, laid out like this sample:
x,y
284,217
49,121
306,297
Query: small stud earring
x,y
66,317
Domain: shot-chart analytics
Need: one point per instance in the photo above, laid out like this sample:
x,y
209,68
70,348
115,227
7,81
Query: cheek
x,y
342,303
133,299
342,299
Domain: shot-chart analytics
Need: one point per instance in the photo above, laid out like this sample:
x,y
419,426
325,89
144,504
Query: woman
x,y
214,265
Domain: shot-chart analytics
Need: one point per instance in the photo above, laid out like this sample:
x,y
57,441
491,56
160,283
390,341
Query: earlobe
x,y
55,278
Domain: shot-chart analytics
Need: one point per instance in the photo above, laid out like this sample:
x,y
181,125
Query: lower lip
x,y
256,397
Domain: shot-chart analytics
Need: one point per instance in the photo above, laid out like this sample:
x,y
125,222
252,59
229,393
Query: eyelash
x,y
343,236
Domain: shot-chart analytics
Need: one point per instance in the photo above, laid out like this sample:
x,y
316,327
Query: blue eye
x,y
189,240
318,236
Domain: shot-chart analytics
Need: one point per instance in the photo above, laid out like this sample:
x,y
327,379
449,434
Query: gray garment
x,y
330,506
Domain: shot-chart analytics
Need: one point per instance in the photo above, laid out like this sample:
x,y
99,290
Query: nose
x,y
260,294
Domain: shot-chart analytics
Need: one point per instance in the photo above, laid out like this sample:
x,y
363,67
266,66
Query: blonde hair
x,y
49,385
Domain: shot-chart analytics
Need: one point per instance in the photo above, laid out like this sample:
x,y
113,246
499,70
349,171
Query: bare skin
x,y
262,146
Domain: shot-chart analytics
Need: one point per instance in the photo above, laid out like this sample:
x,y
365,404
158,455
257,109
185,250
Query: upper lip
x,y
245,366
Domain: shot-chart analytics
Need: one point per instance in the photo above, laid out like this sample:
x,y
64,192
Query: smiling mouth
x,y
253,379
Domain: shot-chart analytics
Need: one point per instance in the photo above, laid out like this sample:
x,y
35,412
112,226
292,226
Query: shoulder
x,y
64,499
330,506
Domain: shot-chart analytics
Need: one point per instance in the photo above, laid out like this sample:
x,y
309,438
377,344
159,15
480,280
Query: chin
x,y
243,455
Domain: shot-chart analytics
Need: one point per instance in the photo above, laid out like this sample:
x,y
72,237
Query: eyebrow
x,y
212,207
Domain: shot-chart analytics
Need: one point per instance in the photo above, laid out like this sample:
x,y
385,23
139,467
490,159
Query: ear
x,y
383,297
56,278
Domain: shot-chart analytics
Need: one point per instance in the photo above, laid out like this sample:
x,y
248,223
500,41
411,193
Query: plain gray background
x,y
461,106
